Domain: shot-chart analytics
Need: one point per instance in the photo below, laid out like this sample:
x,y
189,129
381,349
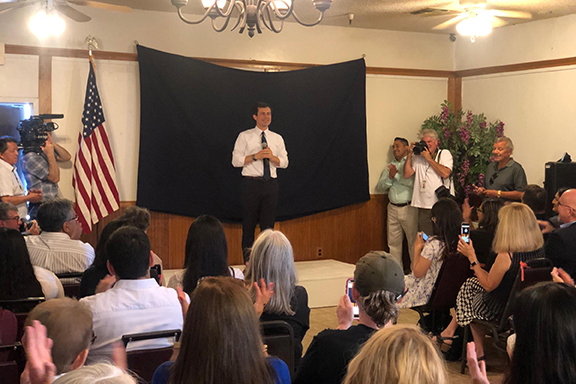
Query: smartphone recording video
x,y
465,232
349,284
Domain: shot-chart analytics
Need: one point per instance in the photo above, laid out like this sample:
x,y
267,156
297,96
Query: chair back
x,y
8,331
279,337
453,273
20,308
144,362
535,271
13,365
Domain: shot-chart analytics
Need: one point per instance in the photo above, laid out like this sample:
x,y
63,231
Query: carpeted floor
x,y
322,318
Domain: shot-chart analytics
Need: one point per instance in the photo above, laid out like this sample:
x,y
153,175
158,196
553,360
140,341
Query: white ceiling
x,y
385,14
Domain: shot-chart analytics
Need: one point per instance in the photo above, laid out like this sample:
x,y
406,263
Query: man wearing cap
x,y
378,285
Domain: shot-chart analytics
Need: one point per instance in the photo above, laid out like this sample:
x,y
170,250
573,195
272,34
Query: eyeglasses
x,y
93,339
567,206
494,177
17,218
480,210
75,218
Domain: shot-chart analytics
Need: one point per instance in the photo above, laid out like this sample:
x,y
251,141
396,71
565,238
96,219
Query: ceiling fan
x,y
63,7
473,17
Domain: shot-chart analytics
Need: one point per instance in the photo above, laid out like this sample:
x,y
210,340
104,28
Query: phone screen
x,y
349,284
465,231
424,236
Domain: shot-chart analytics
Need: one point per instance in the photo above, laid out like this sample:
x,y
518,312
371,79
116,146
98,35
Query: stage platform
x,y
325,280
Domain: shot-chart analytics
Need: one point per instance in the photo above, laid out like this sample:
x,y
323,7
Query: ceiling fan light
x,y
46,23
474,26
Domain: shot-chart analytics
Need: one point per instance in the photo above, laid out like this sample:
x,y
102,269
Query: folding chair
x,y
537,271
278,336
453,273
145,361
13,365
70,282
20,308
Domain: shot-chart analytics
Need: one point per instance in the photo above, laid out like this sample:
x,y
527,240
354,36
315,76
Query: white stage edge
x,y
325,280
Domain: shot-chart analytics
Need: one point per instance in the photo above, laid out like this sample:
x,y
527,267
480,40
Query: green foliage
x,y
470,139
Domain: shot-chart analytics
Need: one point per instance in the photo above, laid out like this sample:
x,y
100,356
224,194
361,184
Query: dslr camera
x,y
419,147
34,132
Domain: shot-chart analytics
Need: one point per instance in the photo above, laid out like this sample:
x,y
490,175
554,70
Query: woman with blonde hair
x,y
517,239
397,355
272,259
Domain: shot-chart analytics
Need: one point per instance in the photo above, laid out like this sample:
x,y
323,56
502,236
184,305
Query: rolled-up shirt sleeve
x,y
239,152
282,155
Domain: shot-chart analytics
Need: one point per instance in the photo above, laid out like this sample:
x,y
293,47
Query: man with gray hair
x,y
432,169
378,285
504,178
10,218
58,248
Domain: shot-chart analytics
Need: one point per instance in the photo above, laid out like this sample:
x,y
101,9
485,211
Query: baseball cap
x,y
378,271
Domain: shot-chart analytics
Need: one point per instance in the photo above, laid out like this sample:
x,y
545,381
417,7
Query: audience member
x,y
41,370
18,279
58,248
136,303
272,259
11,188
504,177
398,355
140,218
206,254
483,297
221,342
432,170
99,268
69,325
544,322
536,197
561,243
378,285
430,254
402,217
10,218
483,237
555,220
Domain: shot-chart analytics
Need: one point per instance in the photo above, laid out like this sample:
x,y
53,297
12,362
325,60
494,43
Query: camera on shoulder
x,y
34,132
419,147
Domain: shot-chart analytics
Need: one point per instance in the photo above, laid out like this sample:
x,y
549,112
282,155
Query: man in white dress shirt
x,y
11,188
259,152
58,248
136,303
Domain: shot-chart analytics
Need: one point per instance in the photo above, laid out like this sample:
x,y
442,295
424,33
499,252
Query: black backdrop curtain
x,y
192,111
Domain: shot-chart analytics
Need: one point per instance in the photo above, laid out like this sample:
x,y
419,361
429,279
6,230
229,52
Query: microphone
x,y
264,145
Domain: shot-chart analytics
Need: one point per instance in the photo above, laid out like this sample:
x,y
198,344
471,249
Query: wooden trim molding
x,y
531,65
455,92
45,84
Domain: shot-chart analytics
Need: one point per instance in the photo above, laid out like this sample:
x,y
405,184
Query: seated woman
x,y
272,259
544,321
399,354
18,279
206,254
221,342
429,255
483,237
518,239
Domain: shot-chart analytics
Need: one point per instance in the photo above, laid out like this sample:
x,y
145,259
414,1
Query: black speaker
x,y
556,176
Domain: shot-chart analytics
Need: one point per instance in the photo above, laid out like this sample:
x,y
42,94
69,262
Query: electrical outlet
x,y
319,252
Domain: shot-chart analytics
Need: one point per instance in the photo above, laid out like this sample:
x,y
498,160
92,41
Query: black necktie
x,y
266,161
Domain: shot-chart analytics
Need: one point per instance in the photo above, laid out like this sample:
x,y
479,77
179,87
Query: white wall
x,y
537,106
395,105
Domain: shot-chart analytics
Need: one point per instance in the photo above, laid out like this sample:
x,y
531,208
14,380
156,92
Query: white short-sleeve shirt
x,y
427,180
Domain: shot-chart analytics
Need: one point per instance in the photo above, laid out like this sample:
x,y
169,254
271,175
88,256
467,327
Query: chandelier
x,y
252,14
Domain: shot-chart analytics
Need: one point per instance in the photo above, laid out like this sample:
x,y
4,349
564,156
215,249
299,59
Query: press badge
x,y
423,186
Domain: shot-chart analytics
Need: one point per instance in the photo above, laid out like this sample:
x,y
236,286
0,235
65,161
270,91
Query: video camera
x,y
34,132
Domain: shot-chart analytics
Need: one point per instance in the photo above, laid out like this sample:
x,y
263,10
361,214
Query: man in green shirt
x,y
402,217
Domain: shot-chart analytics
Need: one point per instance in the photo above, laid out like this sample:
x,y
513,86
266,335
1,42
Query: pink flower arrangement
x,y
464,134
500,129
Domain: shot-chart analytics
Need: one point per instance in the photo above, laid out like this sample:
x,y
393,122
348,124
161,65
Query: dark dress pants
x,y
259,201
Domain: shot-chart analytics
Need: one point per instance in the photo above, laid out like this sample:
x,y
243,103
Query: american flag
x,y
94,178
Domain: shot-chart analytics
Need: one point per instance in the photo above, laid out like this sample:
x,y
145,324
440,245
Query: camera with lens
x,y
419,147
34,132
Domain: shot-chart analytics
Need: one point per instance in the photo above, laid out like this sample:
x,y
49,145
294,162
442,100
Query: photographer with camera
x,y
432,170
40,156
11,188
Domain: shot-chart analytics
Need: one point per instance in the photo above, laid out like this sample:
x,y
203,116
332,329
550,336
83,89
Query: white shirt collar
x,y
256,129
6,165
136,284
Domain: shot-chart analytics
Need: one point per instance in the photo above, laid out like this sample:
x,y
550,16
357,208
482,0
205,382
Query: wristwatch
x,y
473,264
253,158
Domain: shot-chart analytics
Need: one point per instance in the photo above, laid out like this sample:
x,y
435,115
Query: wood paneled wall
x,y
344,234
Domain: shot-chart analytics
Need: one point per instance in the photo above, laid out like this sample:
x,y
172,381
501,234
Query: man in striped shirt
x,y
58,248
